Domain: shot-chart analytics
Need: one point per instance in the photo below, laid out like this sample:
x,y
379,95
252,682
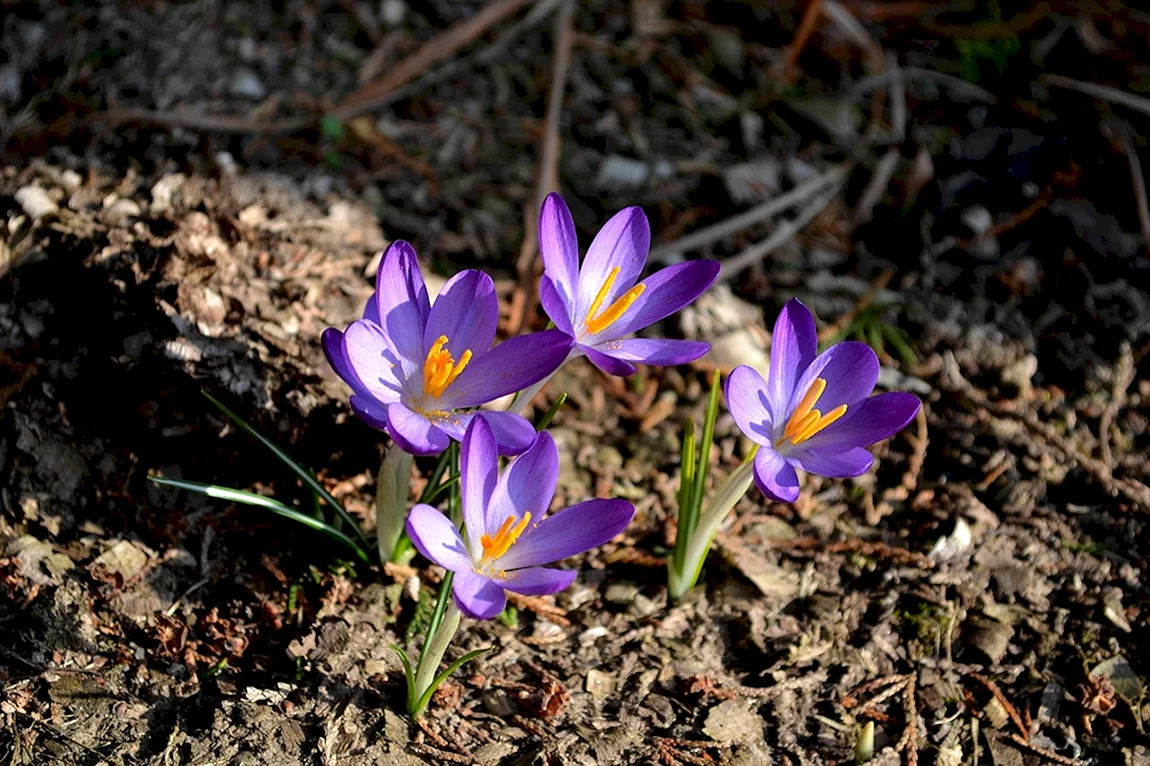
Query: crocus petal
x,y
850,370
555,305
608,363
369,411
478,473
559,248
873,420
466,311
667,291
333,349
371,362
478,596
568,532
511,366
775,476
434,536
747,401
834,464
794,344
655,351
413,432
537,581
526,486
623,242
513,433
402,303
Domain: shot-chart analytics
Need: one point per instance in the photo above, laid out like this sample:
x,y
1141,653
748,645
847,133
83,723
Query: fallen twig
x,y
1123,377
1101,92
1122,131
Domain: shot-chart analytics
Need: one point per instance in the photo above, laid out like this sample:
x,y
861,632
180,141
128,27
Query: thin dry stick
x,y
1137,179
548,179
1100,92
802,37
1123,377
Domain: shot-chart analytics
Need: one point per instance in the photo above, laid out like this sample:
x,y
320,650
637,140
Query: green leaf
x,y
407,672
332,127
551,412
439,679
439,490
260,501
303,473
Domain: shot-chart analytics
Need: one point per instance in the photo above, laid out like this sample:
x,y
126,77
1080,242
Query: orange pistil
x,y
806,421
505,537
440,369
597,322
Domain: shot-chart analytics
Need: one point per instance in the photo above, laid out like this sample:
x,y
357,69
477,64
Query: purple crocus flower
x,y
600,303
813,412
508,537
416,370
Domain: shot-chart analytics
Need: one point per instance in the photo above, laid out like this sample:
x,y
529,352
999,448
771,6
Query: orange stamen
x,y
806,421
440,369
505,537
597,322
821,423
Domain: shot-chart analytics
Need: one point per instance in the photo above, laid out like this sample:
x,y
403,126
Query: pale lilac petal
x,y
559,248
775,476
623,242
654,351
413,432
537,581
478,473
850,370
607,363
513,433
478,596
467,312
526,486
794,344
371,361
434,536
369,411
747,401
667,291
402,303
568,532
870,421
834,464
555,305
511,366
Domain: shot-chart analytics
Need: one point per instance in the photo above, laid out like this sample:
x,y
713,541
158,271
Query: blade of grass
x,y
439,679
303,473
551,412
433,486
705,449
260,501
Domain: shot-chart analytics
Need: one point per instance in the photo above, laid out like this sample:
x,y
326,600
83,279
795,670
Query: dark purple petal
x,y
608,363
793,348
371,362
478,473
437,539
369,411
478,596
467,312
537,581
775,476
559,248
623,242
333,349
555,305
413,432
747,401
668,290
526,486
654,351
850,370
402,303
870,421
511,366
568,532
834,463
513,433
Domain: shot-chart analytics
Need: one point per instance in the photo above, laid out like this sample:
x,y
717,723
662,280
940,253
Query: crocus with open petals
x,y
508,535
814,412
600,303
416,369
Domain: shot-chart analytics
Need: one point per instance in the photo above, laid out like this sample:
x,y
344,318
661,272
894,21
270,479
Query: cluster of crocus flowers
x,y
815,411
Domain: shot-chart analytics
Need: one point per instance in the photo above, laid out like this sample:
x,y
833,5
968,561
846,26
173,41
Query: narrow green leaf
x,y
451,482
261,501
705,449
439,679
551,412
440,603
407,672
433,486
454,508
303,473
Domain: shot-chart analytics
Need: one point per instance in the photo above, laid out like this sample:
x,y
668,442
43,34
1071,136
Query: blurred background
x,y
191,192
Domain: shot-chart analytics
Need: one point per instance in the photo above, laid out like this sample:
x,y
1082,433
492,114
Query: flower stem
x,y
439,636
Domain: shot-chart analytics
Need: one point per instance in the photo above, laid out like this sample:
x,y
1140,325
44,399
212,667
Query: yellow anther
x,y
440,370
806,421
597,322
505,537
